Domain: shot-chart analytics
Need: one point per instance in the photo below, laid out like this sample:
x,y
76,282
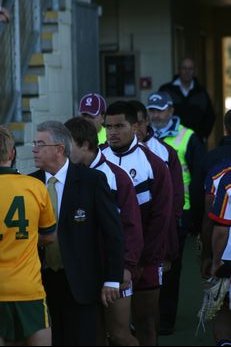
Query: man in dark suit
x,y
88,257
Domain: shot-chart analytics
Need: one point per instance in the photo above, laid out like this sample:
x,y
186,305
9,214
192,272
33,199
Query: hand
x,y
215,267
109,295
126,280
206,265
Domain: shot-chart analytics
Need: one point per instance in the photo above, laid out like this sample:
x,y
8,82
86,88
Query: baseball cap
x,y
159,100
92,104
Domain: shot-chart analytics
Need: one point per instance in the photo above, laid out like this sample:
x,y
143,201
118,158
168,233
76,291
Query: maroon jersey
x,y
122,187
152,181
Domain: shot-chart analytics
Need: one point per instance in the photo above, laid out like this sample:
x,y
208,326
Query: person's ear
x,y
61,149
12,155
135,127
85,146
171,110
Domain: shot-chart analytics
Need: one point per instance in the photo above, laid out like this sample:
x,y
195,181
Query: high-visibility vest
x,y
180,144
102,136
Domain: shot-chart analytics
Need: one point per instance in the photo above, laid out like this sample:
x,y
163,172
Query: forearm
x,y
219,242
46,240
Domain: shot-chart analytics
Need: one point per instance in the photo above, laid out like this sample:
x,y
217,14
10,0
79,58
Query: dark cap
x,y
92,104
159,100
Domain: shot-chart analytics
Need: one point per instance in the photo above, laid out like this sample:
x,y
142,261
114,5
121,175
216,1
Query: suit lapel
x,y
40,175
70,188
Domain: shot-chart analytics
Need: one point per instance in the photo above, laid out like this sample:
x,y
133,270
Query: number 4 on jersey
x,y
18,205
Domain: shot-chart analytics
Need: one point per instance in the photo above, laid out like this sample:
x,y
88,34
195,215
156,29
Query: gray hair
x,y
59,134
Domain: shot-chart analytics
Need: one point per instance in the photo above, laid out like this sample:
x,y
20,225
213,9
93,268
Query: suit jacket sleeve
x,y
111,228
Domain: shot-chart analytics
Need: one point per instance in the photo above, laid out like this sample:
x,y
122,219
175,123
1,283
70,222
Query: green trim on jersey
x,y
46,231
7,170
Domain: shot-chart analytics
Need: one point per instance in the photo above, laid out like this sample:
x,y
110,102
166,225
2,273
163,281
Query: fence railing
x,y
18,39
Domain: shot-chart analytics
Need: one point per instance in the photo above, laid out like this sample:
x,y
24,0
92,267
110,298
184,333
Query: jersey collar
x,y
134,145
150,134
99,160
7,170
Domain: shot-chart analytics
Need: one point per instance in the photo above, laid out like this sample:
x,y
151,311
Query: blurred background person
x,y
167,127
93,107
191,101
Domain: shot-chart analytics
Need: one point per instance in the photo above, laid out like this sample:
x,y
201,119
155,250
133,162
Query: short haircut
x,y
123,107
7,144
227,122
83,130
59,133
139,107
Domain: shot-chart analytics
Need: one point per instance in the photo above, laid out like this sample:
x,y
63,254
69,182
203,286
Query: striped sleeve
x,y
208,186
221,210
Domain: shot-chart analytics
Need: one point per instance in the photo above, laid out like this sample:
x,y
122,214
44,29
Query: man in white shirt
x,y
74,274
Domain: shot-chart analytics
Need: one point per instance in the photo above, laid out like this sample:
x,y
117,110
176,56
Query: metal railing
x,y
18,39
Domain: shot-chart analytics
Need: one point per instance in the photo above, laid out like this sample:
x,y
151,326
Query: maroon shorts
x,y
151,278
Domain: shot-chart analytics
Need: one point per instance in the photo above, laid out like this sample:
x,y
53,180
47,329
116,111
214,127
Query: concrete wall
x,y
162,32
143,27
55,90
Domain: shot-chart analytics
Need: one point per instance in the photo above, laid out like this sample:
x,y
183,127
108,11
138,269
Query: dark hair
x,y
123,107
139,107
83,130
227,122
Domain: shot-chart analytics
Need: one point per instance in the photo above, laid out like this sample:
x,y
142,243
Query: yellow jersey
x,y
25,211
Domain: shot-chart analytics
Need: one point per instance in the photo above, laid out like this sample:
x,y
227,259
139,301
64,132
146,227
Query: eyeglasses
x,y
38,144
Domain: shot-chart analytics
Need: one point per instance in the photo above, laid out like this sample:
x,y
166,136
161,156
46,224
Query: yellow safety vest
x,y
102,136
180,144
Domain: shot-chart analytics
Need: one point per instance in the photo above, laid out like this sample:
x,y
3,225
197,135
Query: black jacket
x,y
87,194
195,110
217,155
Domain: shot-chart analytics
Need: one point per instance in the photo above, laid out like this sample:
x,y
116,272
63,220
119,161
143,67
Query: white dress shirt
x,y
184,91
61,177
59,186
